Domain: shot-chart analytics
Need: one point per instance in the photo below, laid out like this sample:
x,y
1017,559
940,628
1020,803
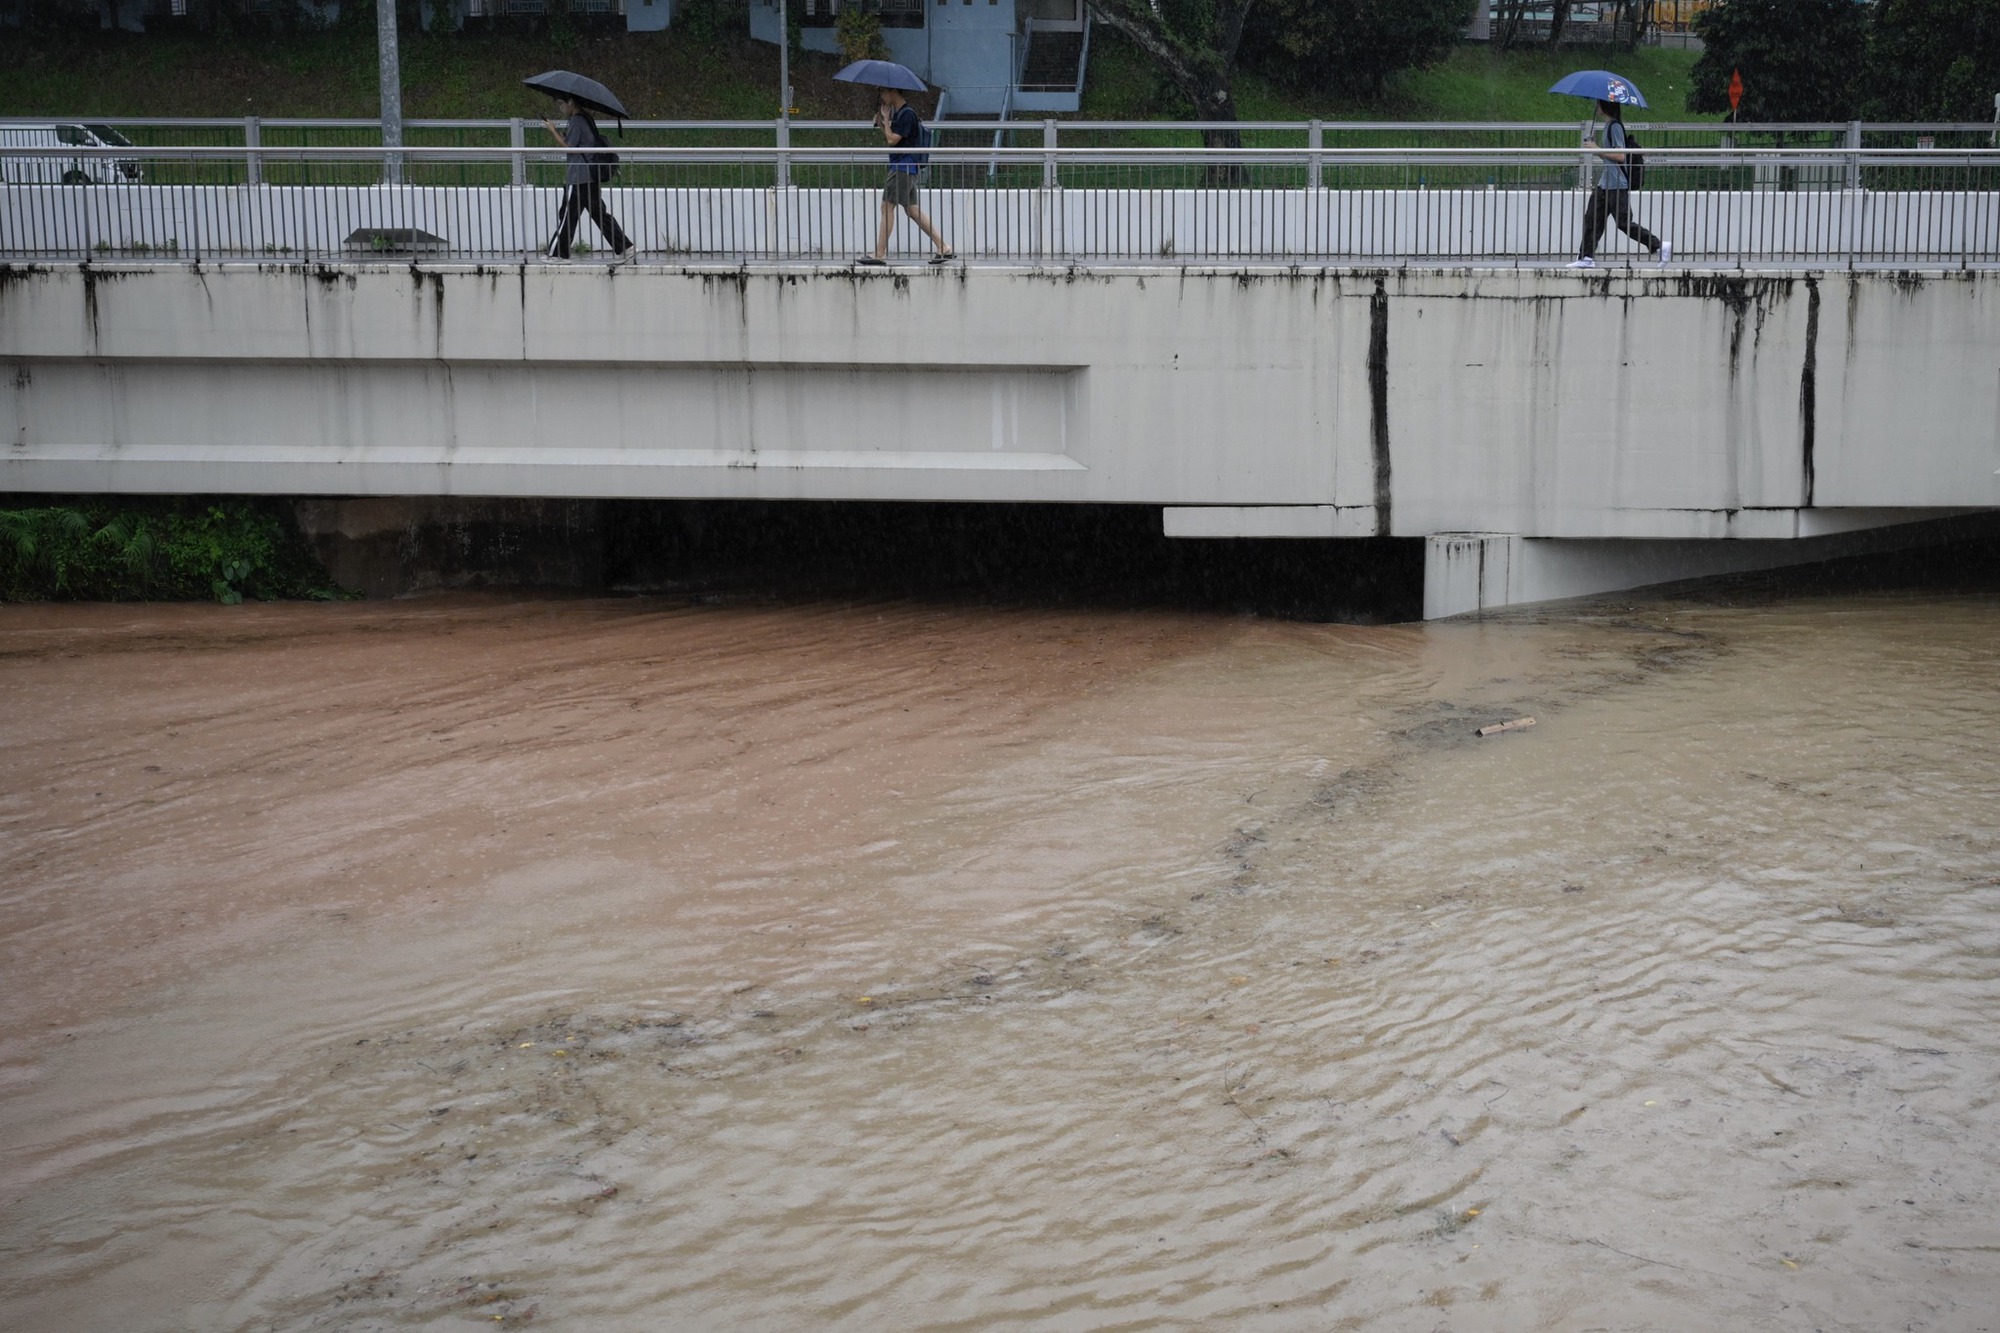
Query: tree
x,y
1801,59
1353,46
1194,43
1934,60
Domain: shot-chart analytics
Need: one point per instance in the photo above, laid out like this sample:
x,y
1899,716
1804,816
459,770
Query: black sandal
x,y
871,261
944,258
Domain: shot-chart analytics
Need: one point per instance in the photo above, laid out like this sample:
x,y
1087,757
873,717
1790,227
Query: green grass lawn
x,y
673,76
332,74
1471,83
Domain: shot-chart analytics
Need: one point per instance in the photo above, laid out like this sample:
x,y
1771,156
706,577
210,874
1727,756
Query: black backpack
x,y
603,166
1635,162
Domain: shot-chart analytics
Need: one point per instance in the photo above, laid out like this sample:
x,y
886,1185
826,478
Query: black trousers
x,y
578,200
1616,205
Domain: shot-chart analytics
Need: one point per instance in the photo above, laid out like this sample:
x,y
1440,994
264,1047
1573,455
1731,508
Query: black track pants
x,y
1615,205
578,200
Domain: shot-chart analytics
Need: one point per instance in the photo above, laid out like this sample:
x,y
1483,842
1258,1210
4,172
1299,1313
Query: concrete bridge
x,y
1548,433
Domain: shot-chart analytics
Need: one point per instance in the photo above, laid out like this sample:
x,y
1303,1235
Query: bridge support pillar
x,y
1467,572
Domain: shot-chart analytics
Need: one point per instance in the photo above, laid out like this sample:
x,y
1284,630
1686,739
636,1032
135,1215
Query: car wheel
x,y
76,176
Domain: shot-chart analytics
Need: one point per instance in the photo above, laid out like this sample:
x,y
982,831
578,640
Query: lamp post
x,y
389,70
784,176
785,61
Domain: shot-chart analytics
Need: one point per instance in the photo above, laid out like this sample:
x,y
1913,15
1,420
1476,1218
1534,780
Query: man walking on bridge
x,y
902,128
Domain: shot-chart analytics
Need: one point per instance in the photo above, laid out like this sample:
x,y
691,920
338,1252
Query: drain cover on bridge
x,y
385,239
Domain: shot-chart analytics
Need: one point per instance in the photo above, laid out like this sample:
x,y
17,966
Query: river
x,y
638,963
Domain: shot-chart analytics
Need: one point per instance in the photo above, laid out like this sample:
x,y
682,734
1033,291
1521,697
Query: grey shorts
x,y
901,189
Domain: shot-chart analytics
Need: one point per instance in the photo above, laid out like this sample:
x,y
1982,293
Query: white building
x,y
987,56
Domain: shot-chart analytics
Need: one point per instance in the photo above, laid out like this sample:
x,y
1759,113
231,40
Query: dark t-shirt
x,y
581,133
908,127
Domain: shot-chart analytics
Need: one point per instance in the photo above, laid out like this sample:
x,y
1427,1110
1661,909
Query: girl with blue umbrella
x,y
1611,197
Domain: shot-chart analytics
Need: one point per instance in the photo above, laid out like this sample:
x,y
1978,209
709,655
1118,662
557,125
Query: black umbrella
x,y
586,92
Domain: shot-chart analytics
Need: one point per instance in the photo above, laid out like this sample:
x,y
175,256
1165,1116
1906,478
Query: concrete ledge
x,y
1269,521
1469,572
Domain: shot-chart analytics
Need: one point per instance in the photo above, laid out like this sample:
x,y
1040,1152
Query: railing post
x,y
1315,145
1585,159
1853,154
784,176
517,139
253,161
1051,200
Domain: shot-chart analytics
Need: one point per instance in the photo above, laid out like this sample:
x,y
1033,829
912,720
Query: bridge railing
x,y
271,132
1318,202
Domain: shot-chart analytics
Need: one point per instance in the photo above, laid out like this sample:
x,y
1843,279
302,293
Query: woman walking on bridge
x,y
1611,200
584,179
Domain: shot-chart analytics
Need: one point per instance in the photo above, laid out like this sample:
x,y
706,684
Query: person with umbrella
x,y
901,128
1611,198
584,174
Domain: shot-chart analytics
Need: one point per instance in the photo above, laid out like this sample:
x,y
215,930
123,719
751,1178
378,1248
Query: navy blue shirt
x,y
908,127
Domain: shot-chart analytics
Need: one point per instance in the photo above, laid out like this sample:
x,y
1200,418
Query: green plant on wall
x,y
859,34
167,549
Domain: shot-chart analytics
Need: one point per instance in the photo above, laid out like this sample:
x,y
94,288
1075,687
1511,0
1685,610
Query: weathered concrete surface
x,y
386,546
1475,571
1645,405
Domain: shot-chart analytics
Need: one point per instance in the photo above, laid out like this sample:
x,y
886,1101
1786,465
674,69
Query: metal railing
x,y
253,131
1319,201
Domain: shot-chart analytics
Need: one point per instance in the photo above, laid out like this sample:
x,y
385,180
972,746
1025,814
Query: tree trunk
x,y
1201,74
1213,102
1558,18
1642,22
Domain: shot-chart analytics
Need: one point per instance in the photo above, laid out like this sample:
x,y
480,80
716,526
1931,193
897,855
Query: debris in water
x,y
1518,724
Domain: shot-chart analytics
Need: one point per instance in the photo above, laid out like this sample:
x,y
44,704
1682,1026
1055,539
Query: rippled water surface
x,y
627,965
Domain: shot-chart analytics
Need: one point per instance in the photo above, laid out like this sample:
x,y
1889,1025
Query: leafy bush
x,y
859,34
1351,46
1934,60
1801,59
112,548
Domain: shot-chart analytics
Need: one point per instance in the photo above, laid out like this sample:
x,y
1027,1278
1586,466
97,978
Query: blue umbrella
x,y
1600,85
881,74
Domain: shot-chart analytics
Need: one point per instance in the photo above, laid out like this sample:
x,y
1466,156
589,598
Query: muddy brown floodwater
x,y
638,965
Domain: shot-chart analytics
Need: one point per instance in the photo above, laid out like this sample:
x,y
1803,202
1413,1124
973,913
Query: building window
x,y
893,13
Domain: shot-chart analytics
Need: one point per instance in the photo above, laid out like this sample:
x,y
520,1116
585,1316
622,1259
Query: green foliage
x,y
109,548
1193,43
1350,46
702,21
859,34
1934,60
1801,59
1471,82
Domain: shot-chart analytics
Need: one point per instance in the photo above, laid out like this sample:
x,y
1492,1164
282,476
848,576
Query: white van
x,y
61,166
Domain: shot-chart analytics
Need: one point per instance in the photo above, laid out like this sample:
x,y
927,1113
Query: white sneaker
x,y
1583,263
1666,252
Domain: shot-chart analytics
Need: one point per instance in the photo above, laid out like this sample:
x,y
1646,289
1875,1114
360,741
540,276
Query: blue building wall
x,y
967,48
